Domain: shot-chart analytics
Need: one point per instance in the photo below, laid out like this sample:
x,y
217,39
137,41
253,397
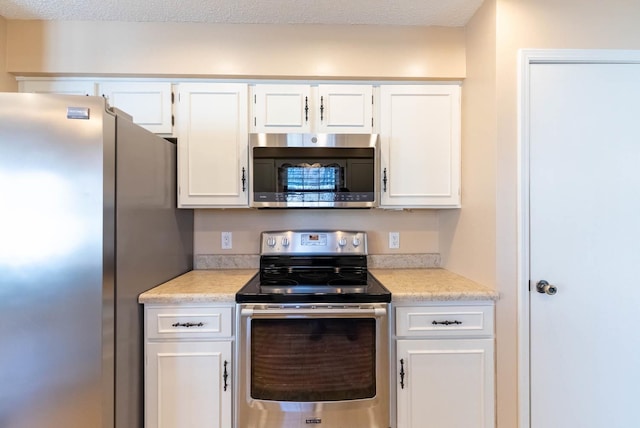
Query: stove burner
x,y
346,282
277,282
314,275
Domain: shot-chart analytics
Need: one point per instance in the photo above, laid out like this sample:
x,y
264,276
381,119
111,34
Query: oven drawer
x,y
443,321
189,322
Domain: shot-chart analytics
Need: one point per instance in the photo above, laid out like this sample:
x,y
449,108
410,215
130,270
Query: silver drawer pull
x,y
456,322
187,324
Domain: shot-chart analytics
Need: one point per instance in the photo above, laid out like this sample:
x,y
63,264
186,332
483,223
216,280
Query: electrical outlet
x,y
394,239
226,242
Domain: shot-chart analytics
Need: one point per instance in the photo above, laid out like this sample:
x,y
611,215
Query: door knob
x,y
546,288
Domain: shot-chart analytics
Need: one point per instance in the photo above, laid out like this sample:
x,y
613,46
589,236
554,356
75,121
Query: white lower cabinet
x,y
445,367
188,366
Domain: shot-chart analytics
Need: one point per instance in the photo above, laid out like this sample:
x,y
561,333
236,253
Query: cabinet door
x,y
420,146
213,145
346,109
187,385
447,383
149,103
64,87
282,108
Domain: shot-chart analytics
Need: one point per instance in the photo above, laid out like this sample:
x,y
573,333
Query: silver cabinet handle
x,y
545,288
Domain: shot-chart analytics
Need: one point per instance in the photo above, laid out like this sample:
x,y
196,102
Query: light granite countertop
x,y
406,285
200,286
435,284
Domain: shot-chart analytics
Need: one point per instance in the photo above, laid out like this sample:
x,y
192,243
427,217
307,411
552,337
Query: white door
x,y
584,184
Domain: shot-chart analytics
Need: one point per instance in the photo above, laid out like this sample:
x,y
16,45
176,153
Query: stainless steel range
x,y
313,347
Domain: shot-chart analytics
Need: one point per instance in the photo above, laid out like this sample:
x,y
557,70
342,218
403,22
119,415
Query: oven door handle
x,y
305,312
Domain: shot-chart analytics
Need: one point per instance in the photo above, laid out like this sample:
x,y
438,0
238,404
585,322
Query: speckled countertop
x,y
200,286
406,286
422,285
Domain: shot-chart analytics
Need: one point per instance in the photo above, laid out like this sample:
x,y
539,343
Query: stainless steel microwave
x,y
313,170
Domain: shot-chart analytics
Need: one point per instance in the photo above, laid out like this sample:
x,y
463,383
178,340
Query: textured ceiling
x,y
450,13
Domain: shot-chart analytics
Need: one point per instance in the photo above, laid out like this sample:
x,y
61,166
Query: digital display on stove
x,y
314,239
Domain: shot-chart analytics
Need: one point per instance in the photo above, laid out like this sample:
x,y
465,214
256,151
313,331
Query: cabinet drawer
x,y
435,321
196,322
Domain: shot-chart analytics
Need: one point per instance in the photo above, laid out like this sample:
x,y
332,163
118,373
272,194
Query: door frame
x,y
526,58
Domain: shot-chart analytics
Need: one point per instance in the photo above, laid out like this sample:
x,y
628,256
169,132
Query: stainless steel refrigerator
x,y
88,221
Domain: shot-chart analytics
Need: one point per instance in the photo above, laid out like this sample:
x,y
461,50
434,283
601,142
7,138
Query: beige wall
x,y
575,24
467,236
290,51
7,82
262,51
478,241
418,229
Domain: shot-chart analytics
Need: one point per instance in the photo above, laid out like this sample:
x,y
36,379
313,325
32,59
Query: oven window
x,y
308,360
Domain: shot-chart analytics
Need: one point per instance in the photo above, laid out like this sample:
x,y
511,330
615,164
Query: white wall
x,y
7,82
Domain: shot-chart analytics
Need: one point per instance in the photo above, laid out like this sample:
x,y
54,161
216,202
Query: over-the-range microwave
x,y
313,170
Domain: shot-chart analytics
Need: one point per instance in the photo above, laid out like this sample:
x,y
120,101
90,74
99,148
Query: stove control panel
x,y
299,242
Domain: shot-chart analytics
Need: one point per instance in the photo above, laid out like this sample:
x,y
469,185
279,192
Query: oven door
x,y
318,365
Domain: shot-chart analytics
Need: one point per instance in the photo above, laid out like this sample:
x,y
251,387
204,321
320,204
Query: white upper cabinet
x,y
213,145
63,87
419,127
149,103
345,109
420,146
306,108
282,108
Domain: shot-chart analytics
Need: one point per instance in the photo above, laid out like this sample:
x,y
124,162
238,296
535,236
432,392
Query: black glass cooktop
x,y
313,267
315,289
